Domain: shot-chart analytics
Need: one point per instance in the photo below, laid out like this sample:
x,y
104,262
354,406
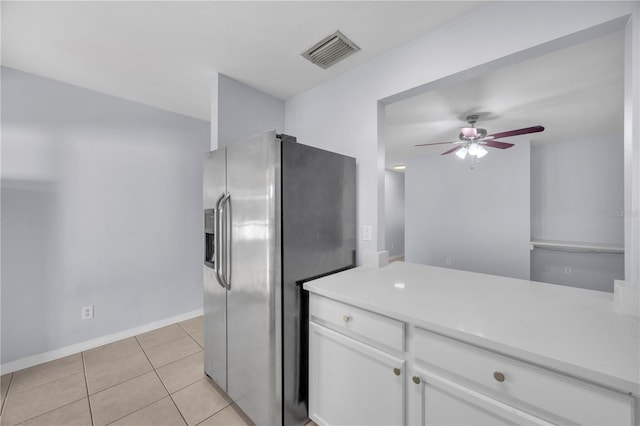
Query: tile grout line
x,y
6,394
165,387
142,374
47,412
151,403
86,384
216,413
31,387
170,340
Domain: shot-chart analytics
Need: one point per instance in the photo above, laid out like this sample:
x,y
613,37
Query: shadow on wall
x,y
30,211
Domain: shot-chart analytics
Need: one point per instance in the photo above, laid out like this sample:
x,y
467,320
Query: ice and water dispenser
x,y
209,238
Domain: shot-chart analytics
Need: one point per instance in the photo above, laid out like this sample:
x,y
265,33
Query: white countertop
x,y
571,330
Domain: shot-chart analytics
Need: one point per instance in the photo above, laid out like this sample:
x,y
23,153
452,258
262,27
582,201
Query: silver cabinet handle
x,y
346,318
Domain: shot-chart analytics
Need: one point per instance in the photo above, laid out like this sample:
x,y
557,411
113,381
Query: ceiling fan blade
x,y
526,130
454,149
497,144
437,143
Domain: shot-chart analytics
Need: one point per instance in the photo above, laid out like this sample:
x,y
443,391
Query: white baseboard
x,y
32,360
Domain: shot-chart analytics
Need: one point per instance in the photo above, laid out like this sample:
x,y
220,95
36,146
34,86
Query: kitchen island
x,y
415,344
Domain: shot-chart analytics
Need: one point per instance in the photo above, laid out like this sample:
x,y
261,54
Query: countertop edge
x,y
571,369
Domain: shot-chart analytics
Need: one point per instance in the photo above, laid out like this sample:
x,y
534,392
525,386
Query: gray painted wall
x,y
244,111
394,213
480,218
577,194
101,204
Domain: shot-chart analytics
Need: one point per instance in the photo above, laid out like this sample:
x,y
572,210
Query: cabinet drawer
x,y
562,396
356,321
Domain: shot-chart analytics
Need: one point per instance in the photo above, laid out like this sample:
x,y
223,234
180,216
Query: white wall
x,y
478,218
577,194
102,205
394,202
342,114
244,111
577,190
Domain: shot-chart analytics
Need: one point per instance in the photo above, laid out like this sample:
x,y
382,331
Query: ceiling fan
x,y
472,139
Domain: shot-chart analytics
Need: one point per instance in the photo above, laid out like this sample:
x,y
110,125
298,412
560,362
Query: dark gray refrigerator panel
x,y
318,237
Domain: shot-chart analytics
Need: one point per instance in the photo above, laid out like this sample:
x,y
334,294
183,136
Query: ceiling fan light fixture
x,y
462,152
474,148
481,152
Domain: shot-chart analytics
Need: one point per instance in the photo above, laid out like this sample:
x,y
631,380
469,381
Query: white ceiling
x,y
166,53
573,92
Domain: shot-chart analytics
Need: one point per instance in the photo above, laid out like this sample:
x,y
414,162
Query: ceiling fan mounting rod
x,y
471,119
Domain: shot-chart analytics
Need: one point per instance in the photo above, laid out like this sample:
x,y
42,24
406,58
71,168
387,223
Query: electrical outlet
x,y
447,261
87,312
567,270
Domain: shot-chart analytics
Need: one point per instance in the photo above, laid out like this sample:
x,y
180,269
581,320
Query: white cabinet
x,y
530,392
352,383
354,379
369,369
438,401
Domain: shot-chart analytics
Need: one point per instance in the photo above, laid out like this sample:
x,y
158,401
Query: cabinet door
x,y
439,401
351,383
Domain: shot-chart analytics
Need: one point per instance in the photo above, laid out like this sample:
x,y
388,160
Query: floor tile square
x,y
123,399
229,416
182,373
200,400
171,351
74,414
160,413
104,374
45,373
193,325
116,350
161,335
30,403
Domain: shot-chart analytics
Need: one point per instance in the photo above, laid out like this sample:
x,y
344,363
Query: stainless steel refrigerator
x,y
277,214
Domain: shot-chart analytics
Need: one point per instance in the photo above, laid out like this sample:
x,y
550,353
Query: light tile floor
x,y
156,378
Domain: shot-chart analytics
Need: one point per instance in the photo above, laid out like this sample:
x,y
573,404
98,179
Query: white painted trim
x,y
375,259
32,360
626,298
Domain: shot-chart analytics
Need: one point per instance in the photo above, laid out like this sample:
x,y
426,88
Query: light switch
x,y
367,234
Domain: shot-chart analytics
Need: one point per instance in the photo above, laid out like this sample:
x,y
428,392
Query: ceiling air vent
x,y
330,50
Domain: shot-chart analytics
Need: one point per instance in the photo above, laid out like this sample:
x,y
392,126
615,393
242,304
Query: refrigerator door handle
x,y
227,251
226,240
216,247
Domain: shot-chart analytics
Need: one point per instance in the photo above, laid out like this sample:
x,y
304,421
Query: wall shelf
x,y
576,247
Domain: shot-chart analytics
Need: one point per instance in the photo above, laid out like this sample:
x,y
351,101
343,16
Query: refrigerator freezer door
x,y
215,296
253,302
